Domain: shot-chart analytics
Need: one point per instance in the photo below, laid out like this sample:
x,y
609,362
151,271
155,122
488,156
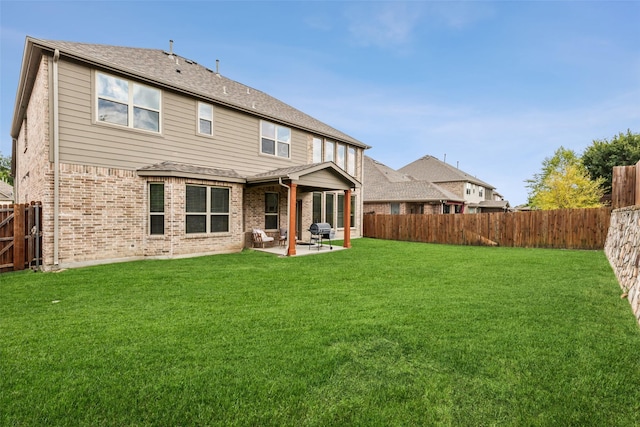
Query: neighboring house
x,y
6,193
386,191
478,196
143,153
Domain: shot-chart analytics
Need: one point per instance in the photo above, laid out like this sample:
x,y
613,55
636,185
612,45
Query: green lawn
x,y
387,333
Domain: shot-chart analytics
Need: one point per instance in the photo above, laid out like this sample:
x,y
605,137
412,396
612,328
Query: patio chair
x,y
260,237
283,237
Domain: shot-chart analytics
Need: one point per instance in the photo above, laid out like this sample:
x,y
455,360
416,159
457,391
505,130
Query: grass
x,y
387,333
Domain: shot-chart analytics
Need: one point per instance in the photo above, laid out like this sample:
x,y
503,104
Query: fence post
x,y
18,237
624,186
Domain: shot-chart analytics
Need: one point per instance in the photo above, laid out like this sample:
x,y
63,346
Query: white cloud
x,y
383,24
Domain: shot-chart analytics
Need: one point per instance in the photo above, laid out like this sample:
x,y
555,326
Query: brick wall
x,y
104,216
34,172
623,251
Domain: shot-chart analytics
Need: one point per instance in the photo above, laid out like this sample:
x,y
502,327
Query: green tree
x,y
5,169
564,183
600,158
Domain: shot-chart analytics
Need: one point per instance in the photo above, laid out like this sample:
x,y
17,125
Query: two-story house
x,y
144,153
478,196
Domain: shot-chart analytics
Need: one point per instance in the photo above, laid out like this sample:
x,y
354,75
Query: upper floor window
x,y
317,150
341,156
329,147
205,118
127,103
481,191
275,140
468,188
207,209
351,161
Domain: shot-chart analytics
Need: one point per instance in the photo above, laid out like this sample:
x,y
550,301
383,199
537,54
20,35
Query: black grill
x,y
320,231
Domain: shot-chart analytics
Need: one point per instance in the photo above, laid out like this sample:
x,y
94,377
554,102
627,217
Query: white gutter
x,y
56,162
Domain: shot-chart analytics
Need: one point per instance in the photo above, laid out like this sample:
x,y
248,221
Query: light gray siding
x,y
324,179
234,145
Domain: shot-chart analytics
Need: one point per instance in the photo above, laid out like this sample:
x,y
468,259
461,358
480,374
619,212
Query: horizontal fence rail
x,y
560,229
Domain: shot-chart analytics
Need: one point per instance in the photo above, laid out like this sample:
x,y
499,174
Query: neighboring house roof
x,y
173,72
6,191
428,168
383,184
501,204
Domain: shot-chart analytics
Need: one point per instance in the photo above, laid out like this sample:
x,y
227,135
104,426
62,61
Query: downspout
x,y
56,162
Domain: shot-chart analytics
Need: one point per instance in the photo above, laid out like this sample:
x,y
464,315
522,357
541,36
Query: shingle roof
x,y
184,170
182,74
6,191
383,184
428,168
295,172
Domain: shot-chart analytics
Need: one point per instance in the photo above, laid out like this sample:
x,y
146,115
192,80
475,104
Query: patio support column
x,y
347,218
291,232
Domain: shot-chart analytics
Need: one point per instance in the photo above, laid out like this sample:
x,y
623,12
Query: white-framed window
x,y
351,161
468,188
395,208
317,150
205,119
481,191
341,156
317,207
329,204
126,103
275,140
329,151
271,217
207,209
156,208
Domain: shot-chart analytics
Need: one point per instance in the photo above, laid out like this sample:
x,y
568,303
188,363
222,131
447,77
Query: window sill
x,y
206,235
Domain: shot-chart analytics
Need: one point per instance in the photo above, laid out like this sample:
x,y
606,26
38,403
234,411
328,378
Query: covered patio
x,y
301,182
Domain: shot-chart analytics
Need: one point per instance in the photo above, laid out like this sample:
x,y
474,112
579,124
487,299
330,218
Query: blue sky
x,y
494,86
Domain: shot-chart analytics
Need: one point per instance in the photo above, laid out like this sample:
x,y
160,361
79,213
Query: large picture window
x,y
156,208
271,211
317,207
126,103
207,209
275,140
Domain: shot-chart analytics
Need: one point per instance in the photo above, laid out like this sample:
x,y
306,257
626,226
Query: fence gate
x,y
20,236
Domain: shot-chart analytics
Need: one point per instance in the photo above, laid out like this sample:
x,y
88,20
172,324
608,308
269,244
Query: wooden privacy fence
x,y
20,236
625,186
561,229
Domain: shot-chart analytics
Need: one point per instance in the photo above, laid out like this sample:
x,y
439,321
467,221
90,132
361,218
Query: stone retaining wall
x,y
623,251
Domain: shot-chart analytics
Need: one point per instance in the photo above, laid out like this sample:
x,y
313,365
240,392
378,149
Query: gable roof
x,y
171,71
295,173
428,168
6,191
384,184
